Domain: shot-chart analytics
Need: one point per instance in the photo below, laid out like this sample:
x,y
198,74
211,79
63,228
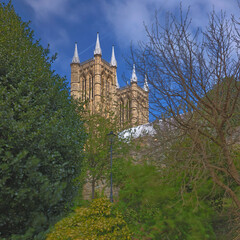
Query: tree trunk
x,y
230,192
93,189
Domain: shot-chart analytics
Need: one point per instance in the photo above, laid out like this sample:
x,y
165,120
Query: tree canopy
x,y
41,134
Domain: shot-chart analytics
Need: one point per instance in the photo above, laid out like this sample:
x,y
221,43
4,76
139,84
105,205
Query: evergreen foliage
x,y
99,221
41,134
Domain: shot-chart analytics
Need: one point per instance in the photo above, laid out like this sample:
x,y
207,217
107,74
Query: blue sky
x,y
120,22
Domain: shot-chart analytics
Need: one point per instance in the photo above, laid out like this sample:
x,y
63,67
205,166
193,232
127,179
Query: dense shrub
x,y
99,221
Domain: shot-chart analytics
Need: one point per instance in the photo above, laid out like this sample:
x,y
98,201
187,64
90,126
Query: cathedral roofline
x,y
126,87
87,61
107,63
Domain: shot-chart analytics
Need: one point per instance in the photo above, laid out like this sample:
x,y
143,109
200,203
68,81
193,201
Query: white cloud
x,y
126,17
45,13
45,8
72,11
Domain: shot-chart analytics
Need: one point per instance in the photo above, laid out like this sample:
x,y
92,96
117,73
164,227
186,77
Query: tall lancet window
x,y
107,88
128,109
121,112
138,111
102,86
92,88
89,86
83,87
111,85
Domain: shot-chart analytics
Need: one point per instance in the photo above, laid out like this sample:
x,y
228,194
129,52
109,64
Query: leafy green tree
x,y
156,207
99,221
96,162
41,134
97,150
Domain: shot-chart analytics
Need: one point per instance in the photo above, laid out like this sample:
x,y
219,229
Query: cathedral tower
x,y
95,82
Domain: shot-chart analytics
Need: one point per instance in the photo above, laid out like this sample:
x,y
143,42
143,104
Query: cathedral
x,y
95,82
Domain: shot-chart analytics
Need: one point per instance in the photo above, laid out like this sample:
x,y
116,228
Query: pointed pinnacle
x,y
134,76
75,56
117,84
97,50
145,87
113,62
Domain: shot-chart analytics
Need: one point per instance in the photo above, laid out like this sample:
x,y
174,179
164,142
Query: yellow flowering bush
x,y
99,221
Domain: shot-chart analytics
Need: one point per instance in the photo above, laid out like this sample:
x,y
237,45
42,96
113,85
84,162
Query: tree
x,y
41,134
97,150
98,221
194,88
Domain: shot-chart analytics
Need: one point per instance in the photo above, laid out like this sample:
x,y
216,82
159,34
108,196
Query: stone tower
x,y
95,82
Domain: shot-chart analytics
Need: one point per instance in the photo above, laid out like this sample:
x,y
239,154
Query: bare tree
x,y
194,86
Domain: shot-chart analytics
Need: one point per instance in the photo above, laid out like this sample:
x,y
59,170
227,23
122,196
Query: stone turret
x,y
114,86
75,73
135,104
97,70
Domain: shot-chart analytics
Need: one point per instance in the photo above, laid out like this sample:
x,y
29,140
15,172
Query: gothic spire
x,y
117,84
134,76
75,56
97,50
145,87
113,62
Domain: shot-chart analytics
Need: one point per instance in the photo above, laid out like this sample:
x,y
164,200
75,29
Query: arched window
x,y
107,87
102,86
110,87
92,88
89,86
83,87
138,111
121,112
128,109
